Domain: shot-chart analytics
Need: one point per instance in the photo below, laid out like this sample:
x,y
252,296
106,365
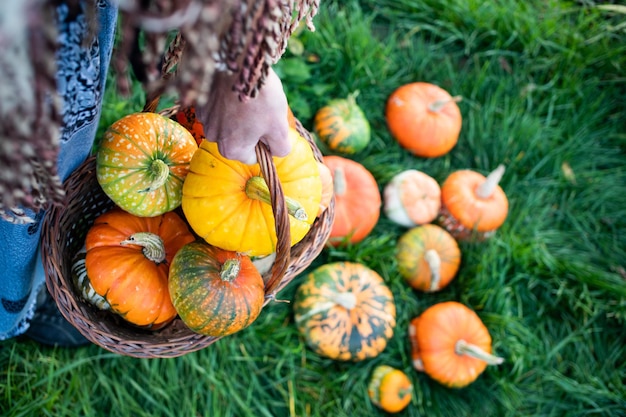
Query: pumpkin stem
x,y
433,260
339,181
152,245
230,269
345,299
437,105
486,189
159,171
463,348
257,189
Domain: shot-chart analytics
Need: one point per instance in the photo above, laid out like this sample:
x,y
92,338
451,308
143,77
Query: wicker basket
x,y
63,235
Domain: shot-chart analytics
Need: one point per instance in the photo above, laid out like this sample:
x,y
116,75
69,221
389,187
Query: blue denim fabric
x,y
81,80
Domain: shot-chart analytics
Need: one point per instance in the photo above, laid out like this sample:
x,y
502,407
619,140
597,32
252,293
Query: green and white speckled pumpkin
x,y
345,311
142,162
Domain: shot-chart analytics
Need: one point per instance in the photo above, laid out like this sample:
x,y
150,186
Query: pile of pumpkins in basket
x,y
345,310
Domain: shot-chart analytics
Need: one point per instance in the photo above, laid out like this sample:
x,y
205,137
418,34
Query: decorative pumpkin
x,y
451,344
357,200
227,202
412,198
215,292
390,389
473,204
128,260
424,119
327,187
83,285
345,311
187,118
428,257
142,162
341,126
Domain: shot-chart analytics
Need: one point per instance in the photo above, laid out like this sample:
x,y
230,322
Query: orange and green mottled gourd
x,y
342,126
142,163
227,202
424,119
357,200
390,389
451,344
215,292
473,205
428,257
128,260
345,311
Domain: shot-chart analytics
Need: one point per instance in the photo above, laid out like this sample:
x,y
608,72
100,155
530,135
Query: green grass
x,y
543,85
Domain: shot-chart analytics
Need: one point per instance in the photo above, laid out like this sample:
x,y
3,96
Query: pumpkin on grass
x,y
227,202
357,200
451,344
390,389
341,126
142,163
412,198
215,292
428,257
424,119
473,204
345,311
128,260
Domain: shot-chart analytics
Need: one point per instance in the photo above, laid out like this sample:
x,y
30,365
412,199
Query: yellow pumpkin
x,y
227,202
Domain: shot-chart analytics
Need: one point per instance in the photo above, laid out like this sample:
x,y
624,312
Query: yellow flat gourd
x,y
226,202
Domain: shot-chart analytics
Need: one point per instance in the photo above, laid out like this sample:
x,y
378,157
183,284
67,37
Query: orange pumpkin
x,y
472,203
451,344
390,389
412,198
127,262
428,257
424,119
357,200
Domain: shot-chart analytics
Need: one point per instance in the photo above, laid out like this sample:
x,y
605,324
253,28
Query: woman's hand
x,y
237,126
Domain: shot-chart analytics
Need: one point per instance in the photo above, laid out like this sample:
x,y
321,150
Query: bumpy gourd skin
x,y
142,163
218,209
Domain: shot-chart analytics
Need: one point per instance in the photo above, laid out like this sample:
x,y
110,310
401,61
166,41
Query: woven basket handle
x,y
281,218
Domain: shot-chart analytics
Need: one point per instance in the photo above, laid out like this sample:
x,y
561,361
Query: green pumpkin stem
x,y
463,348
160,172
152,245
433,260
486,189
345,299
436,106
230,269
257,189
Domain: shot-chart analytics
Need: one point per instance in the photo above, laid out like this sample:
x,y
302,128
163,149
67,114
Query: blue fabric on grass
x,y
81,80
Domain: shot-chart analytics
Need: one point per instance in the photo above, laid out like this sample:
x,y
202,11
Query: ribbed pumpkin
x,y
226,202
345,311
451,344
357,200
342,126
472,204
390,389
424,119
142,163
128,260
412,198
215,292
428,257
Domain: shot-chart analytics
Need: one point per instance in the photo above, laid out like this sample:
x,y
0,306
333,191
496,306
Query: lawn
x,y
544,86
